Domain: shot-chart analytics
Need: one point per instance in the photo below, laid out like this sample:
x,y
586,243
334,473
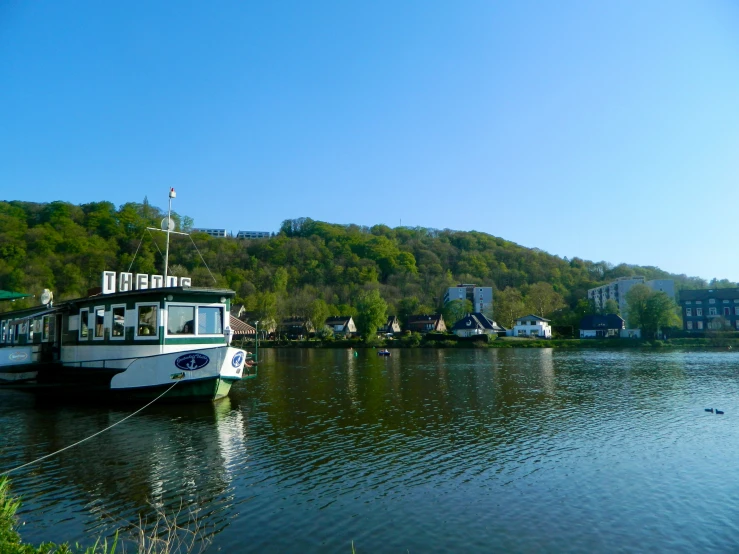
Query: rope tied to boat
x,y
91,436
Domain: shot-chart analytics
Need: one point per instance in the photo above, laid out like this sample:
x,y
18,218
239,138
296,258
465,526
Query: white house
x,y
342,325
532,326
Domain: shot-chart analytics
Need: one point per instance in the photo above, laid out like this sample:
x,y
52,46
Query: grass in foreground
x,y
166,536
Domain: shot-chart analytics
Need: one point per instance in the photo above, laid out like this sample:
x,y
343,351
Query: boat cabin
x,y
154,317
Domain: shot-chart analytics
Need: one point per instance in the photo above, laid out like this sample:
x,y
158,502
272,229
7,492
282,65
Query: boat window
x,y
46,328
210,320
147,322
3,325
49,328
119,322
181,320
99,322
84,324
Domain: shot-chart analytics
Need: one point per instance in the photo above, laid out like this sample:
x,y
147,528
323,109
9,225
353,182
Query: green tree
x,y
407,306
650,310
371,313
636,306
455,310
611,307
508,305
660,313
542,299
279,281
267,309
319,312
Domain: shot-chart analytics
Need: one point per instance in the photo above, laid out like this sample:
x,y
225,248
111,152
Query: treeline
x,y
309,267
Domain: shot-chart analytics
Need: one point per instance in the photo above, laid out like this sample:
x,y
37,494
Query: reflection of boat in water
x,y
138,337
385,352
169,456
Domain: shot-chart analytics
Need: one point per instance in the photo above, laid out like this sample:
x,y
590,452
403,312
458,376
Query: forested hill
x,y
65,248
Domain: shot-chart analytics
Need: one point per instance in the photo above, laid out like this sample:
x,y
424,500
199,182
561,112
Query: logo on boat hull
x,y
191,362
237,360
18,356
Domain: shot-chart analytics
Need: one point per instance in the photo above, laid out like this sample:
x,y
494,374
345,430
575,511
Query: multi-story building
x,y
252,235
713,309
218,233
617,290
481,297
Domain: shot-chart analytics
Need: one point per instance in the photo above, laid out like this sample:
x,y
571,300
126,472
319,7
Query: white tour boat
x,y
141,336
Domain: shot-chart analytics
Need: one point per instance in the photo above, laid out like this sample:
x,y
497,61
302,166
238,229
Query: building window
x,y
699,312
688,312
699,301
711,300
712,311
688,302
727,310
736,310
688,325
700,325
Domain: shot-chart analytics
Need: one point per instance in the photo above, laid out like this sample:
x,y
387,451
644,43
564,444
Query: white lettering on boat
x,y
124,281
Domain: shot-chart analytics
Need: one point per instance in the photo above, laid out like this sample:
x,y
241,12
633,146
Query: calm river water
x,y
521,450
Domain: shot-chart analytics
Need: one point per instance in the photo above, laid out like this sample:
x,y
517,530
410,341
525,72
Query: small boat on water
x,y
385,352
140,336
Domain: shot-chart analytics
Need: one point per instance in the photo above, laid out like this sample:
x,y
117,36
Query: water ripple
x,y
429,450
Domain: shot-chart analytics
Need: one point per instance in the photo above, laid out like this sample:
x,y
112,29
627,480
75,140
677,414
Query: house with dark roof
x,y
425,323
532,326
391,327
710,309
342,325
296,328
601,326
476,324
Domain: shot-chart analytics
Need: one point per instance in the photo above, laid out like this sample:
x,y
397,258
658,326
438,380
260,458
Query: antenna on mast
x,y
169,223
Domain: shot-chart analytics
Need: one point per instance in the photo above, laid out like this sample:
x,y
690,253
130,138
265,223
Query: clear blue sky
x,y
604,130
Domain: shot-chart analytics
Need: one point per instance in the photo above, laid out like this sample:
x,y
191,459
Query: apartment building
x,y
617,290
481,297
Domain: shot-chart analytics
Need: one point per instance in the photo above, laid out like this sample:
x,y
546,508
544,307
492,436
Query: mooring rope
x,y
93,435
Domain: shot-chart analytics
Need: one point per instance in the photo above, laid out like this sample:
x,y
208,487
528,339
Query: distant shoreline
x,y
507,342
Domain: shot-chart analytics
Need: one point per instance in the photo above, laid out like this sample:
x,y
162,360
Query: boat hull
x,y
185,376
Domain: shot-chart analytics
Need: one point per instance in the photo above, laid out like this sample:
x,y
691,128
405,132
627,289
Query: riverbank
x,y
451,341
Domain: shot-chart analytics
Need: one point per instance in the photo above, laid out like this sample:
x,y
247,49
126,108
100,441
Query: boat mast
x,y
172,194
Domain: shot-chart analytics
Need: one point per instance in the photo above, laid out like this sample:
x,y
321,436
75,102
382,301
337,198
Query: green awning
x,y
7,295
